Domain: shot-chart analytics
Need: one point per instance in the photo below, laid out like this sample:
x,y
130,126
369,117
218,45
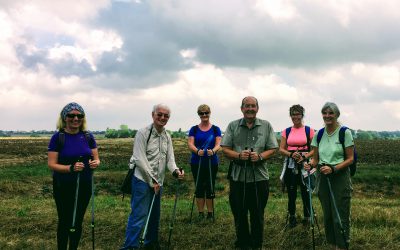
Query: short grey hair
x,y
332,106
161,105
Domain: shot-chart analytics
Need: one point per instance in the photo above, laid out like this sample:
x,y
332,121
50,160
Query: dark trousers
x,y
64,196
253,236
203,187
292,180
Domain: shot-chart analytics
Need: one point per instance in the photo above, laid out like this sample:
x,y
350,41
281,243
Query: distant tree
x,y
124,132
111,133
4,134
178,134
364,135
133,133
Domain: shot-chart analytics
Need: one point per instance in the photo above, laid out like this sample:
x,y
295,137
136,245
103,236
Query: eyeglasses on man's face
x,y
248,106
203,113
159,114
72,116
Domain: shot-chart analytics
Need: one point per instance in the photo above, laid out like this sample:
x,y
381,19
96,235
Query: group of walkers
x,y
248,142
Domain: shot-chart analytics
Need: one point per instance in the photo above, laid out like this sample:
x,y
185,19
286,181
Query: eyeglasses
x,y
247,106
296,114
162,114
72,116
203,113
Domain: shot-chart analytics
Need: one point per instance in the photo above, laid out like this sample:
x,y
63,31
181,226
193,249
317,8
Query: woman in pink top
x,y
295,146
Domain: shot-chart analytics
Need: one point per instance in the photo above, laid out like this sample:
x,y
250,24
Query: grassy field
x,y
29,218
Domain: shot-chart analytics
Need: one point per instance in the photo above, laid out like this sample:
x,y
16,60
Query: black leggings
x,y
203,187
64,196
292,180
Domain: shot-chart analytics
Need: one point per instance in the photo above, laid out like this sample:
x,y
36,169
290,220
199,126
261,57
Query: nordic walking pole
x,y
171,224
78,175
195,189
245,180
311,209
92,225
337,212
211,188
254,180
147,220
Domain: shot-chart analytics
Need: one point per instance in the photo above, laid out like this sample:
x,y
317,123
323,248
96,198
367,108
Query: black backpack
x,y
342,130
61,139
126,187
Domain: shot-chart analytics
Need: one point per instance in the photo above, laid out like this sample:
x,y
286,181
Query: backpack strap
x,y
319,135
308,131
214,130
89,139
288,130
60,140
195,129
342,132
148,138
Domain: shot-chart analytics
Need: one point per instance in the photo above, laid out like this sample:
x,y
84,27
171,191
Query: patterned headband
x,y
69,107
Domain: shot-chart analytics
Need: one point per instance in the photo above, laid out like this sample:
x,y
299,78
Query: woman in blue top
x,y
204,142
72,152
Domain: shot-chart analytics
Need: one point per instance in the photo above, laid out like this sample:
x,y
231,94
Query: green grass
x,y
28,213
29,216
31,224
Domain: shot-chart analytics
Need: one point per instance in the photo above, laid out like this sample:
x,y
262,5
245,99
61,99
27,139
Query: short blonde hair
x,y
203,107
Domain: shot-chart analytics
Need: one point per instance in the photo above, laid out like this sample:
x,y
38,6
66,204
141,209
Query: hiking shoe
x,y
292,221
210,215
152,246
200,217
306,221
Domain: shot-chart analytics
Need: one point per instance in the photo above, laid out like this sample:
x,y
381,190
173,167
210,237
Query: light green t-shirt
x,y
330,149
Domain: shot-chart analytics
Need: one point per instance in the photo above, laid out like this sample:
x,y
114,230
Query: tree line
x,y
125,132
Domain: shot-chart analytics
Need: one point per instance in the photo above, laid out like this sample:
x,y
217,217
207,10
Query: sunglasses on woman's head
x,y
72,116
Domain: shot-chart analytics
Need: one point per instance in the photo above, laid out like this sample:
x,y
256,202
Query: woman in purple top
x,y
204,142
72,153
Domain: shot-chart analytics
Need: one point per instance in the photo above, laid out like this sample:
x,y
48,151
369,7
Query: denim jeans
x,y
142,195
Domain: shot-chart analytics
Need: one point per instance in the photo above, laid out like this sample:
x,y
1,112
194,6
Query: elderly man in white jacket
x,y
152,154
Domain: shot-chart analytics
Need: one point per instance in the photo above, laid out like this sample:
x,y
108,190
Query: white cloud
x,y
393,107
378,75
278,10
185,53
272,88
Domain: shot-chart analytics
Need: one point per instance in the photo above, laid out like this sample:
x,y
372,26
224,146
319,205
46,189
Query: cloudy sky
x,y
119,58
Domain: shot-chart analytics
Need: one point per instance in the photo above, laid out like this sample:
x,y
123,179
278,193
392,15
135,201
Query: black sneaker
x,y
210,215
152,246
292,221
200,217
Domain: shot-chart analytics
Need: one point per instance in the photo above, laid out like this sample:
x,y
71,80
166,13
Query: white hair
x,y
161,105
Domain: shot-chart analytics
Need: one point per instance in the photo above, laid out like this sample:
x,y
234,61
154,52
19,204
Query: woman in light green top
x,y
333,161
